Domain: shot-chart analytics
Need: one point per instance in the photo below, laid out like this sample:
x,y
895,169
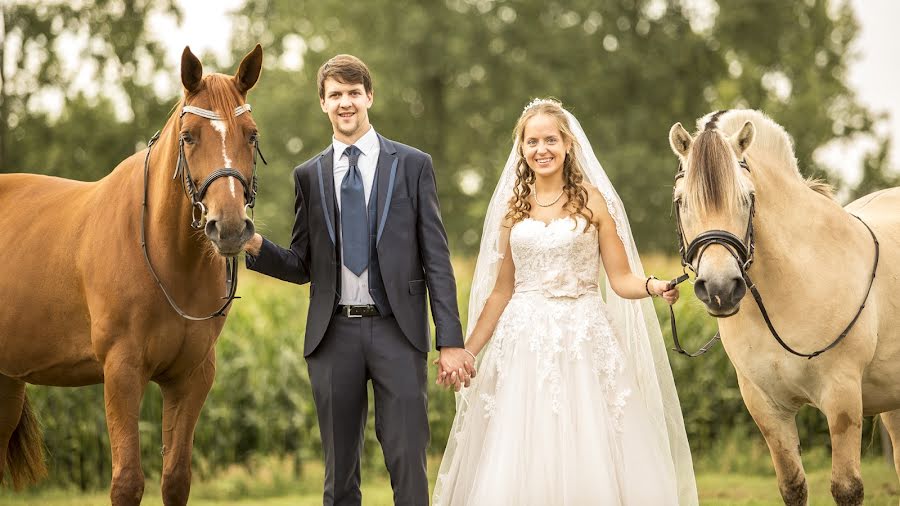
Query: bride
x,y
574,401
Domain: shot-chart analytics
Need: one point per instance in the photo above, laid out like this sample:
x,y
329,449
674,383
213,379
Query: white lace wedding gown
x,y
554,416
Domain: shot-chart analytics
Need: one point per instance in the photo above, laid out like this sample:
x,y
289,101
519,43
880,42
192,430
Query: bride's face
x,y
543,146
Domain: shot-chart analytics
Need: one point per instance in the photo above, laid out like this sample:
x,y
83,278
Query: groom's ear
x,y
680,140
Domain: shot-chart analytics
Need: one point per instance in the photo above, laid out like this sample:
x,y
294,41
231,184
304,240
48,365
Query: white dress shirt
x,y
355,289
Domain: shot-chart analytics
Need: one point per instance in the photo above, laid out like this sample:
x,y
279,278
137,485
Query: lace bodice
x,y
559,259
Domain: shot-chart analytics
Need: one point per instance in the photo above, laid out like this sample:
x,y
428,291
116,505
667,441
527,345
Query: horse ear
x,y
248,72
680,140
744,138
191,70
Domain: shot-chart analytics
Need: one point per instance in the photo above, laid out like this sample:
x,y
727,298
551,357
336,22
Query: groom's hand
x,y
455,368
254,244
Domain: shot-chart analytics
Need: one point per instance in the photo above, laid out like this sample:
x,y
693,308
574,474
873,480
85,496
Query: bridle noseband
x,y
196,194
742,251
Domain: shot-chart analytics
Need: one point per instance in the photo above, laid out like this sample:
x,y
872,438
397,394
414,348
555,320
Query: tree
x,y
451,78
88,134
877,174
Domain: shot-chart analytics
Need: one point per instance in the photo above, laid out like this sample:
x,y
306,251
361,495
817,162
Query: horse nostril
x,y
249,230
739,290
700,290
212,229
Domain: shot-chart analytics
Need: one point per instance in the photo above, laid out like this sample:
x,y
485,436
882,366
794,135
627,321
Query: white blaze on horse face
x,y
222,128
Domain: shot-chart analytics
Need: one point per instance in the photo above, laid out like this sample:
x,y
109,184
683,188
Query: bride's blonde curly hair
x,y
573,175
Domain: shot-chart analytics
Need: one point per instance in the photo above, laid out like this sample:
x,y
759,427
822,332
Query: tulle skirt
x,y
553,416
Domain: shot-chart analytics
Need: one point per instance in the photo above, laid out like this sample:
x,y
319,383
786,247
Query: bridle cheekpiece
x,y
196,194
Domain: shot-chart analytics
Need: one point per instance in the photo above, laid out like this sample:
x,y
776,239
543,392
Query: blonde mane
x,y
711,175
772,145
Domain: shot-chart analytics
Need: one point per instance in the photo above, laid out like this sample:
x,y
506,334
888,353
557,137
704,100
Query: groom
x,y
368,237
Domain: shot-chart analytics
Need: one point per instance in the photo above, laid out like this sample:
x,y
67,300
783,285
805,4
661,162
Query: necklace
x,y
538,202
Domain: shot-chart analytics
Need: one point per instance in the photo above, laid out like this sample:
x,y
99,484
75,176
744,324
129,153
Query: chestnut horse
x,y
821,272
83,305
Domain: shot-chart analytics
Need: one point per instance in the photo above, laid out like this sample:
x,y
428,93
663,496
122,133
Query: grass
x,y
271,483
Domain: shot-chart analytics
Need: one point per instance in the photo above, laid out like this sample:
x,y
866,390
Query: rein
x,y
742,251
195,195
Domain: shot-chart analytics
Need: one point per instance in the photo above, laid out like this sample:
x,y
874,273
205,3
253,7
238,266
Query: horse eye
x,y
254,137
187,137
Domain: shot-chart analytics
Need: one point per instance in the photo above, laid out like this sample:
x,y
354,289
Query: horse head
x,y
713,198
217,140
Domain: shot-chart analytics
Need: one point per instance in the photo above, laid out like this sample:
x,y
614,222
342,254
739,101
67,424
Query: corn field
x,y
261,404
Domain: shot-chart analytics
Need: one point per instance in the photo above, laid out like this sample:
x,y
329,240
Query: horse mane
x,y
711,185
222,95
771,143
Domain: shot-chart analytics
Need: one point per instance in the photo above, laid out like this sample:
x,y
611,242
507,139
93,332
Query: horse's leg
x,y
183,398
891,421
123,388
842,405
779,429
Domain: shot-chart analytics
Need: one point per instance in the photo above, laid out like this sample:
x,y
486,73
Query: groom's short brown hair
x,y
344,68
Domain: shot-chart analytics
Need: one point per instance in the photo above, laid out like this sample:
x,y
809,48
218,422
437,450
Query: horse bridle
x,y
742,251
196,194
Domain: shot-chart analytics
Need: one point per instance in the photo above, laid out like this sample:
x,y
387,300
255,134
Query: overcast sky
x,y
874,73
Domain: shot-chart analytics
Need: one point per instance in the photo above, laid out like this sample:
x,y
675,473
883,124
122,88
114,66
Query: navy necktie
x,y
354,225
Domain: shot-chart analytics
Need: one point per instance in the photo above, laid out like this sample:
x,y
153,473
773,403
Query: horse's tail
x,y
25,453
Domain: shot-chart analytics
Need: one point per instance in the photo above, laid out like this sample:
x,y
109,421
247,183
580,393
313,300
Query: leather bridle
x,y
195,194
742,251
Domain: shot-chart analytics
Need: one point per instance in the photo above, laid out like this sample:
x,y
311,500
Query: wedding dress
x,y
552,417
574,401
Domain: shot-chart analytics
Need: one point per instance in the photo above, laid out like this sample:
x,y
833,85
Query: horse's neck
x,y
793,222
811,259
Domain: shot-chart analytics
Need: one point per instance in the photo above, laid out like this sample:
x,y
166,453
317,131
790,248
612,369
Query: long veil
x,y
634,320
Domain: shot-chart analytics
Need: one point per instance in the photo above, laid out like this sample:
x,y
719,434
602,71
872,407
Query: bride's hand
x,y
456,368
658,287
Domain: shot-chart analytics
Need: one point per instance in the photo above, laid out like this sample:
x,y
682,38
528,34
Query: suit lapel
x,y
325,169
386,174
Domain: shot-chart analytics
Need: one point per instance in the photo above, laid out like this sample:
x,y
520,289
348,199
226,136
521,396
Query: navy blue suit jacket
x,y
413,254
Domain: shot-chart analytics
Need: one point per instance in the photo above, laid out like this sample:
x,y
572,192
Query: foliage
x,y
49,122
451,78
876,172
261,402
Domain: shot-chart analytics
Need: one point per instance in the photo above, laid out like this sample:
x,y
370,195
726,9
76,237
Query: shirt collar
x,y
366,144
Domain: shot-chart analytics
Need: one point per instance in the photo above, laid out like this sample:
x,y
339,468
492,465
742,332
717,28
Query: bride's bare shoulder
x,y
595,202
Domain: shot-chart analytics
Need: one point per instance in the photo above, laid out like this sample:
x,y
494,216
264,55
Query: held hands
x,y
660,288
456,368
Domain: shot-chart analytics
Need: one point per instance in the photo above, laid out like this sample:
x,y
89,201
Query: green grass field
x,y
271,485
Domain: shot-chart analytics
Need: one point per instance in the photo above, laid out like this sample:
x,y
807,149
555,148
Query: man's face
x,y
347,106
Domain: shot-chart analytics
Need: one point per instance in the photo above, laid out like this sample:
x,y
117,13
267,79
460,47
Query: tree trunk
x,y
4,113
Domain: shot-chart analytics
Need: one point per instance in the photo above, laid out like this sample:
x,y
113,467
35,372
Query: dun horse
x,y
814,264
82,303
